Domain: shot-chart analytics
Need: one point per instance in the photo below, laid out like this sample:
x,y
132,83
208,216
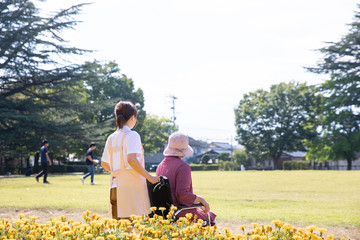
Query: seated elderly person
x,y
179,174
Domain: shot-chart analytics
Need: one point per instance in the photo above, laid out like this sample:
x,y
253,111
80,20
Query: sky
x,y
207,53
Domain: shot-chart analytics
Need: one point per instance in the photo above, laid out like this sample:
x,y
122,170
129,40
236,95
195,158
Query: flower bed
x,y
146,228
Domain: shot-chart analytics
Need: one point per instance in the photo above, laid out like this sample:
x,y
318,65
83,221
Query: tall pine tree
x,y
341,113
36,87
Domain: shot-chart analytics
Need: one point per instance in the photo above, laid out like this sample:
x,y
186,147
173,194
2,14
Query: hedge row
x,y
295,165
204,167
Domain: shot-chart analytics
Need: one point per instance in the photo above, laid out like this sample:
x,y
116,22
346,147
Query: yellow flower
x,y
162,209
242,227
255,225
310,228
153,209
87,236
227,232
33,218
330,237
100,238
188,216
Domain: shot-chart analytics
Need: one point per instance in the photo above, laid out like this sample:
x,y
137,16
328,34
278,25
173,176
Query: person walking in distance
x,y
90,163
45,162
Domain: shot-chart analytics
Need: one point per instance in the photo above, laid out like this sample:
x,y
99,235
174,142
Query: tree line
x,y
44,95
322,120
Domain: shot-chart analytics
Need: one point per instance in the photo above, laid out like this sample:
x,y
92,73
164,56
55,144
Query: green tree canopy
x,y
36,99
224,156
155,132
240,157
340,136
103,86
270,122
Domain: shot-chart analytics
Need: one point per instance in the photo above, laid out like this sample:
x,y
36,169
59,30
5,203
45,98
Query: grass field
x,y
306,197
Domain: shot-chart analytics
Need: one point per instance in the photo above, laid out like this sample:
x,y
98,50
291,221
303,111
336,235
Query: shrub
x,y
295,165
228,166
205,159
240,157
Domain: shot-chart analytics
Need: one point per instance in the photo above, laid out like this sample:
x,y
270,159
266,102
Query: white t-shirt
x,y
132,144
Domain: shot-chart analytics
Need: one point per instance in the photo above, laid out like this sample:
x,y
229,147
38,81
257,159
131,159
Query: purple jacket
x,y
179,174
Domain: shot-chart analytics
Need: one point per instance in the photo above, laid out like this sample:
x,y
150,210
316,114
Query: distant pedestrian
x,y
90,163
45,162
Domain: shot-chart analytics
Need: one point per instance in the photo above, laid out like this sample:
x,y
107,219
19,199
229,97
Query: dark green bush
x,y
204,167
205,159
295,165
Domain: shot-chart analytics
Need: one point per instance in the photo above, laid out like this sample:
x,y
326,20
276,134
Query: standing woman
x,y
123,157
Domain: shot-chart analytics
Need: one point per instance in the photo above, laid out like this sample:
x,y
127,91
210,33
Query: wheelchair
x,y
160,197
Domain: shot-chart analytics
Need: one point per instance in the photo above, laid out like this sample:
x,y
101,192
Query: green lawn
x,y
308,197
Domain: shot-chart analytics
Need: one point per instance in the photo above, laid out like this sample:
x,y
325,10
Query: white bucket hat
x,y
178,145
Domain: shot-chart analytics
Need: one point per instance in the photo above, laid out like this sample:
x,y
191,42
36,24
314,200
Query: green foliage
x,y
341,116
295,165
228,166
269,123
240,157
42,97
37,99
224,156
155,132
204,167
103,86
205,159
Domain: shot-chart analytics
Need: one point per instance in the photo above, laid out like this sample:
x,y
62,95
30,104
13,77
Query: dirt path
x,y
45,215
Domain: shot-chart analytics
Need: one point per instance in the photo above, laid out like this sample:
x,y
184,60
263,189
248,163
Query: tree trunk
x,y
277,163
349,161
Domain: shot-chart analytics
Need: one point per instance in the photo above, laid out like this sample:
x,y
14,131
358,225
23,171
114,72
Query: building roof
x,y
196,143
222,145
211,152
296,154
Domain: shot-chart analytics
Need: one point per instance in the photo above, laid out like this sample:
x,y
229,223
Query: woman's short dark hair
x,y
92,144
124,110
44,141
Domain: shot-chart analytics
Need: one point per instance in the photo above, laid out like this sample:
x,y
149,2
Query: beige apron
x,y
131,190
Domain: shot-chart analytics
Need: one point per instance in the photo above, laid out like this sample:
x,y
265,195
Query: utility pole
x,y
173,107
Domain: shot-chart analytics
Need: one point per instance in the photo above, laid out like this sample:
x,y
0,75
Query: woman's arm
x,y
134,163
106,166
105,159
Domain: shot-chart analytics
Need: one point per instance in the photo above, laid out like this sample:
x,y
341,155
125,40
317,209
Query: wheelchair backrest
x,y
160,195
